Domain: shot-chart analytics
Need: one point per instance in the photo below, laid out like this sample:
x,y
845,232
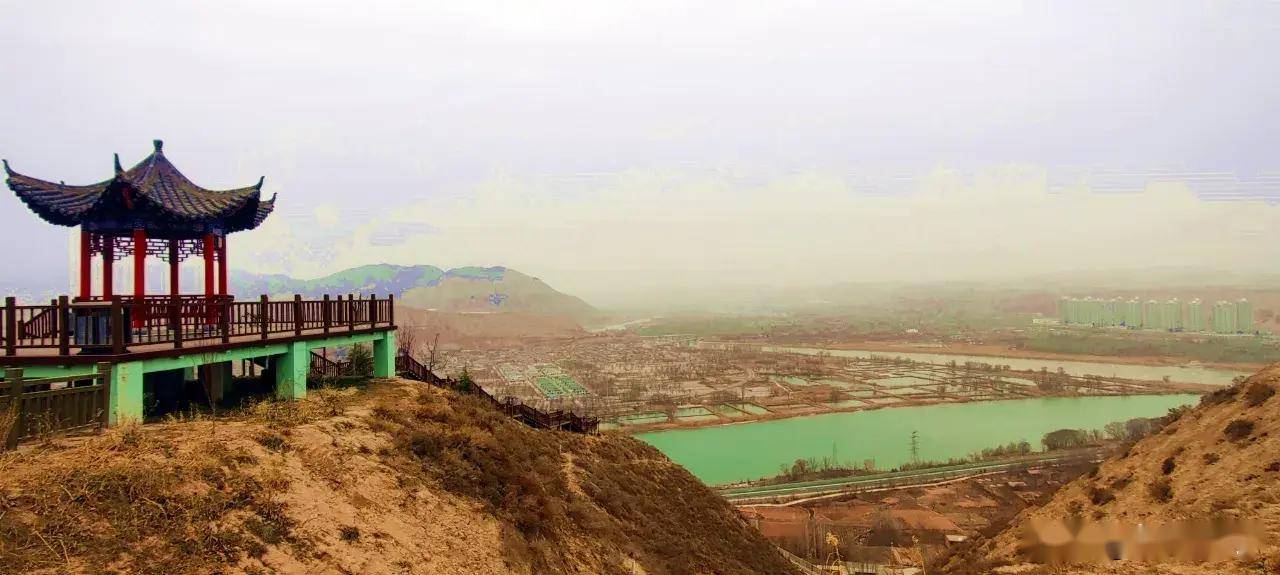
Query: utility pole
x,y
915,447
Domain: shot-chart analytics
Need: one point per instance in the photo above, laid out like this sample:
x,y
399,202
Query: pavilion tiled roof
x,y
153,195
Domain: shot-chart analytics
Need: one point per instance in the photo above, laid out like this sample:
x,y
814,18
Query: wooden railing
x,y
323,367
411,368
43,406
112,326
42,324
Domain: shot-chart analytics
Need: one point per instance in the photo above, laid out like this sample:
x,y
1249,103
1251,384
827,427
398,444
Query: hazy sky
x,y
600,144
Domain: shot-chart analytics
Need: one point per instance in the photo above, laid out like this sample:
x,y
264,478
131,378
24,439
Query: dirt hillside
x,y
1218,460
395,478
470,330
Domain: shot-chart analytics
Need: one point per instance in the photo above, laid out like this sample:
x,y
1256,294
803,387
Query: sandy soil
x,y
397,478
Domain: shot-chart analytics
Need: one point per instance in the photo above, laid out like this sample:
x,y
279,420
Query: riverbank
x,y
734,453
793,492
997,351
822,409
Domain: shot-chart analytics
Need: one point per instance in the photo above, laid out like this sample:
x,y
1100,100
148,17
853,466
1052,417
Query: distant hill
x,y
465,289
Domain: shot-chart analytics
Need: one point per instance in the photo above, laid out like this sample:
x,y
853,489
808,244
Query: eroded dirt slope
x,y
1220,459
399,478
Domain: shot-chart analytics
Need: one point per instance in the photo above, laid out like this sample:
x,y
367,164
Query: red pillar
x,y
173,267
86,259
208,265
139,276
222,265
108,265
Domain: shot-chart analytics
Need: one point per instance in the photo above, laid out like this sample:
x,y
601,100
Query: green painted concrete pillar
x,y
125,403
384,355
291,371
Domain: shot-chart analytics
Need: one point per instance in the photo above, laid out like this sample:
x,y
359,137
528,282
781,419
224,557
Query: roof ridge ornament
x,y
159,144
119,170
260,180
6,167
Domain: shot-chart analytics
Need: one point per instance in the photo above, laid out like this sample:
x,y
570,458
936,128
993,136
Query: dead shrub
x,y
1258,394
349,533
1210,458
1101,495
272,441
1238,429
1220,396
1166,466
1160,490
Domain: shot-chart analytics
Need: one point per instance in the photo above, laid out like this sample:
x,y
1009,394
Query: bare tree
x,y
436,358
406,341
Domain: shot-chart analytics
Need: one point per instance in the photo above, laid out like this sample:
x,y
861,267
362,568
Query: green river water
x,y
738,452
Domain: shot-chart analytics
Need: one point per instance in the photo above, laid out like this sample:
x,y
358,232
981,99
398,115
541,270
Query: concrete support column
x,y
219,379
125,403
291,371
384,355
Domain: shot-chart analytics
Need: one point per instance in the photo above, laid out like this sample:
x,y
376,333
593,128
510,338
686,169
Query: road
x,y
785,491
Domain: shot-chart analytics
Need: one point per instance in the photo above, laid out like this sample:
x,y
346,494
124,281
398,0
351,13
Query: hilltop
x,y
1218,460
399,478
465,289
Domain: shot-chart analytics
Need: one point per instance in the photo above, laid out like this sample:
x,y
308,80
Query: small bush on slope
x,y
1258,394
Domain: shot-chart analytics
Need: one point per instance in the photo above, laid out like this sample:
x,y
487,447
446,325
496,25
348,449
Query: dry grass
x,y
139,505
139,500
572,500
348,482
8,419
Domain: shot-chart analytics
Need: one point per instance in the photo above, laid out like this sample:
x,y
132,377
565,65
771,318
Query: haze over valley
x,y
656,288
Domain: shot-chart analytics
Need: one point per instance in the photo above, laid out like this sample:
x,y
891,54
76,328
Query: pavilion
x,y
149,209
104,343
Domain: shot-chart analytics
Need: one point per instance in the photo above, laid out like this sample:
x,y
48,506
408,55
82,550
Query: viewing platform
x,y
69,343
71,357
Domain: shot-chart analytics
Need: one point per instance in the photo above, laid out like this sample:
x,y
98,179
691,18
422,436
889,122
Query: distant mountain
x,y
465,289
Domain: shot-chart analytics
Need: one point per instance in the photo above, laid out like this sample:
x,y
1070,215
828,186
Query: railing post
x,y
297,314
62,325
351,308
262,315
391,309
224,319
175,320
117,325
324,313
104,371
10,325
373,310
13,379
